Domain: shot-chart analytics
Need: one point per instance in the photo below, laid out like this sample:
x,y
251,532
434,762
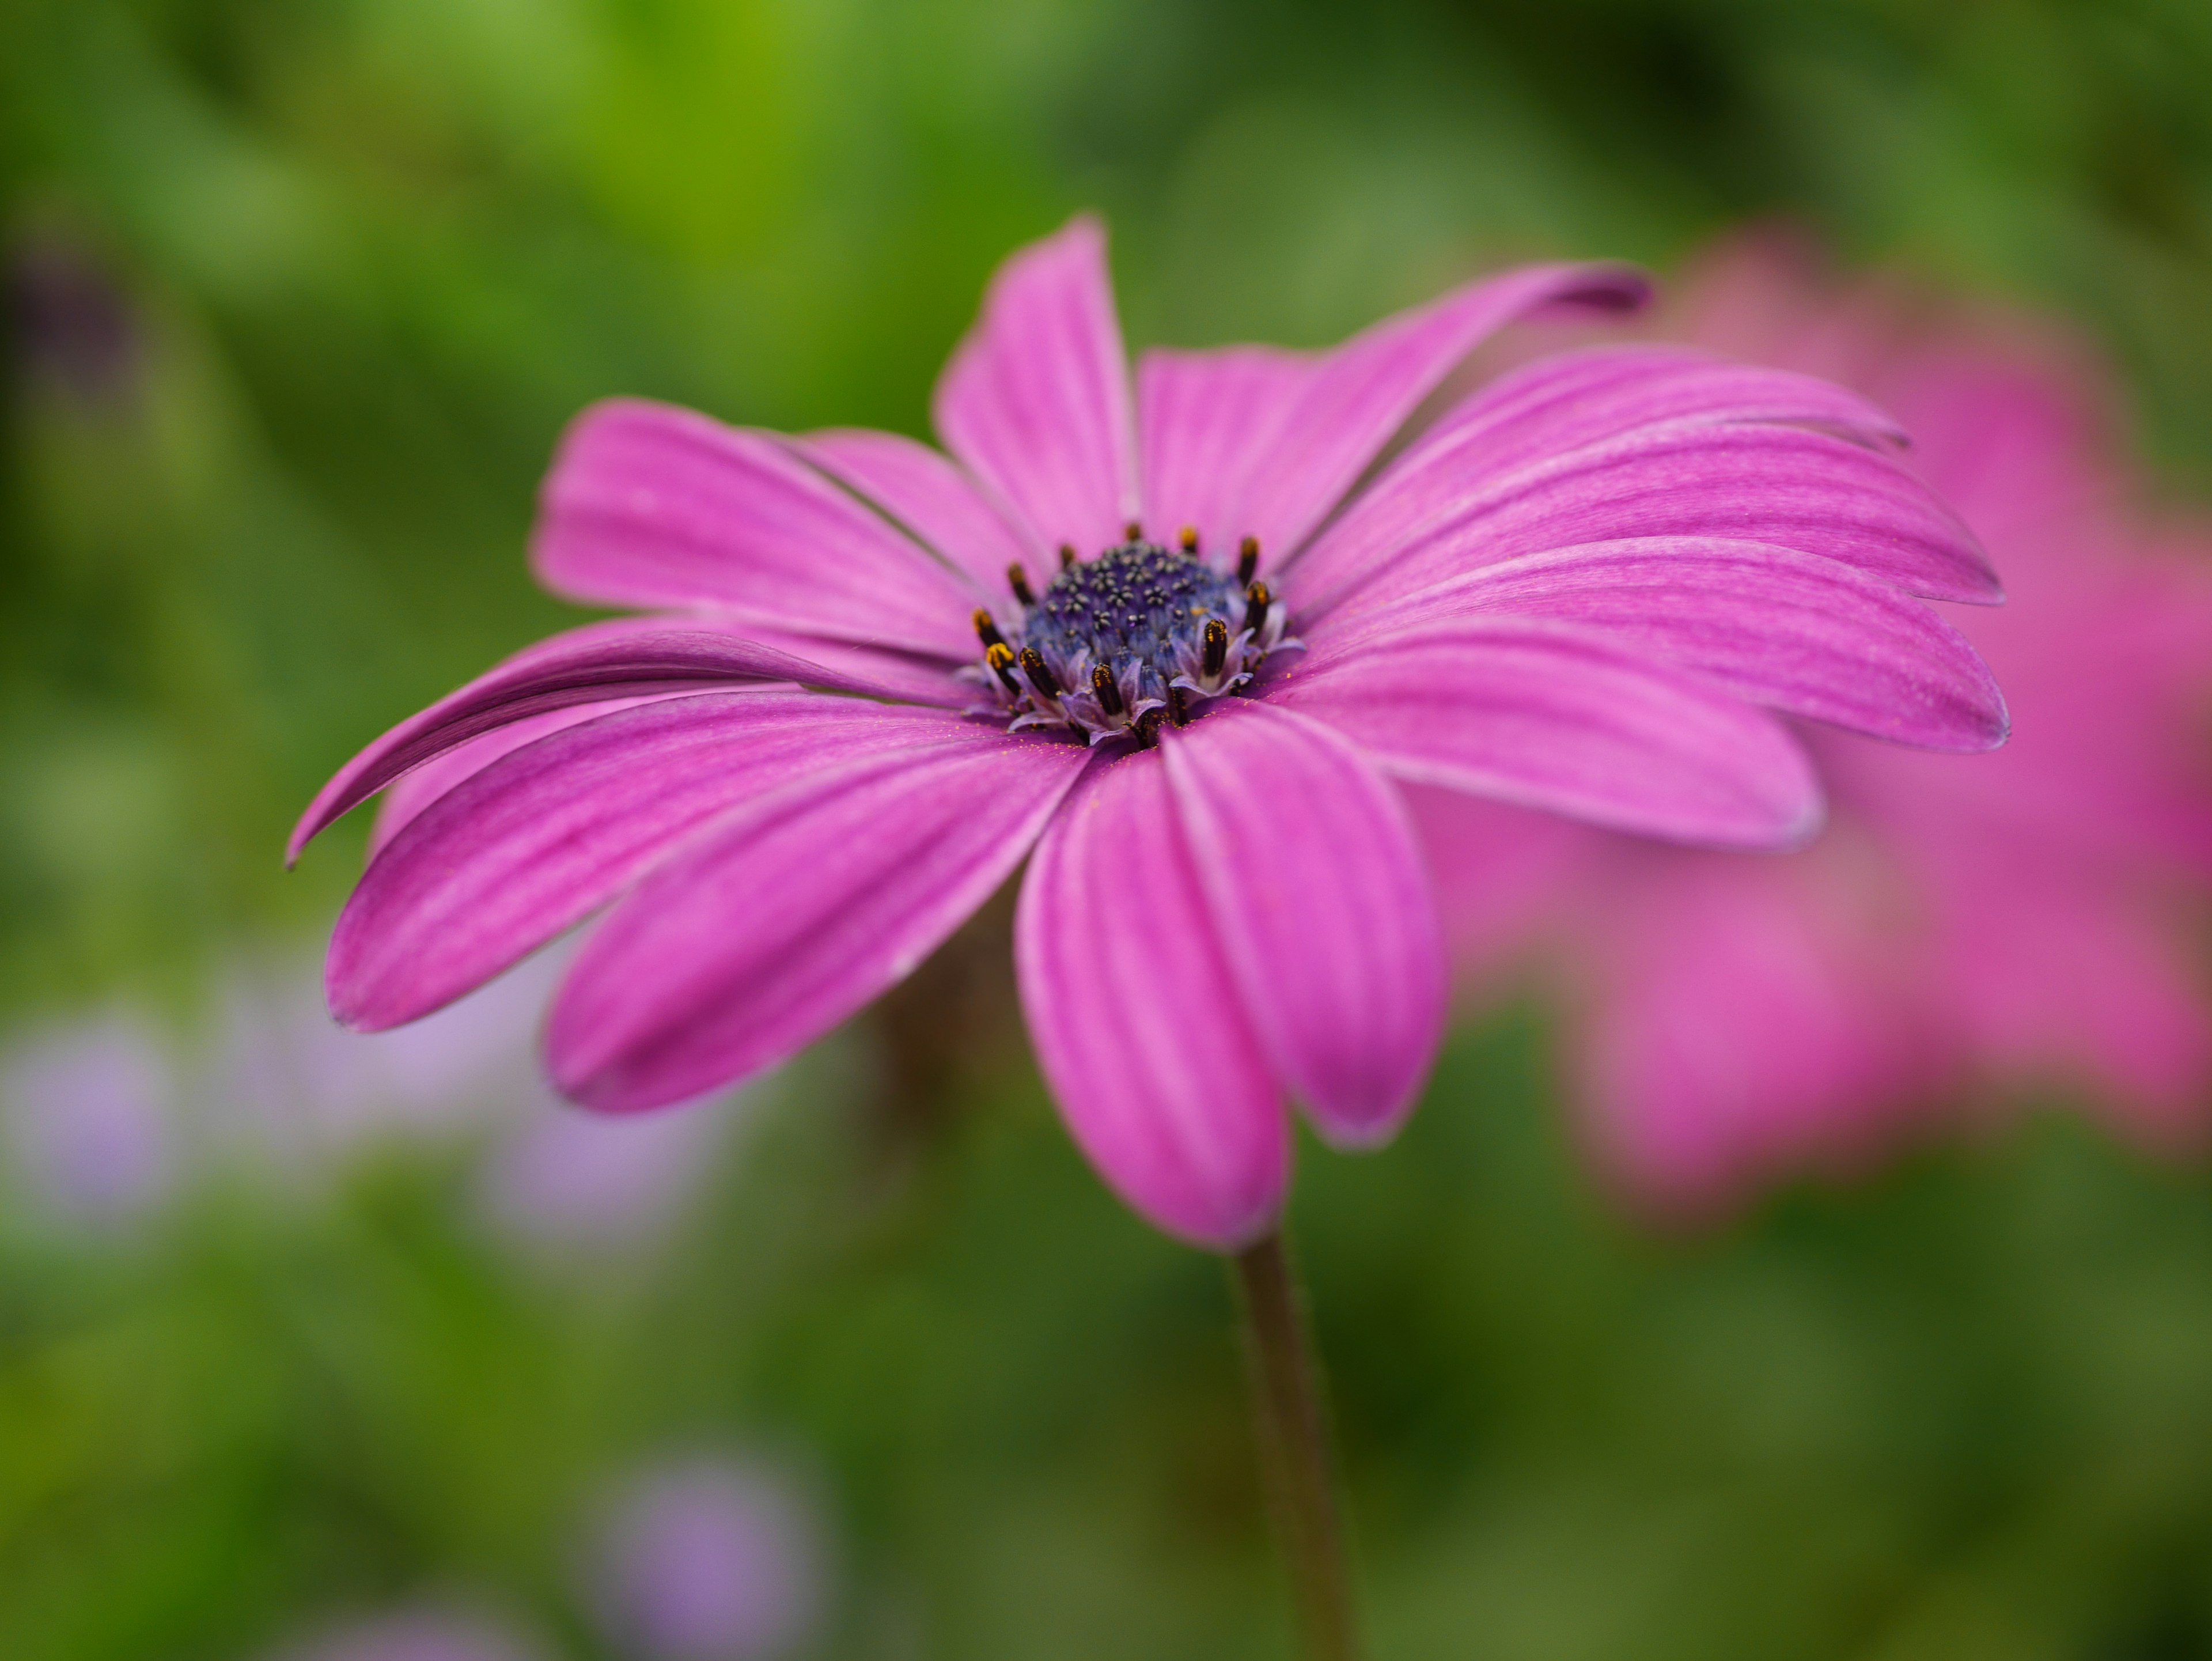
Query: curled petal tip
x,y
1365,1138
1999,733
1230,1243
1617,287
1806,828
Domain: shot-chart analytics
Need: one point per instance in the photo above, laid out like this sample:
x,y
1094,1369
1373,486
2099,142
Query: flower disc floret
x,y
1140,634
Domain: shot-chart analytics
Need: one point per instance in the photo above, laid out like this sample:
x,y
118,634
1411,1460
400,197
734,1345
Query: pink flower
x,y
1583,588
2021,919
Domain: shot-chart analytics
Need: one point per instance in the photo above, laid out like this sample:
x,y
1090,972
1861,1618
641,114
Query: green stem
x,y
1293,1424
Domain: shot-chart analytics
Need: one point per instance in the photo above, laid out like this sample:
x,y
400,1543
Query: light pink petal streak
x,y
1250,441
599,663
648,505
932,496
539,840
1036,401
1783,485
1794,631
1320,897
1549,716
795,911
1137,1020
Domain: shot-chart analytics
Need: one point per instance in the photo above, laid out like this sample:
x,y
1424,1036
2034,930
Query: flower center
x,y
1141,634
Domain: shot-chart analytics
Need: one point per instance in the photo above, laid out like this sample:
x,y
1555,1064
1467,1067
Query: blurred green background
x,y
299,295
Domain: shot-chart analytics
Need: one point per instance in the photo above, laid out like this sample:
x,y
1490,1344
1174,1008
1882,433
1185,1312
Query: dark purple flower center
x,y
1137,605
1142,633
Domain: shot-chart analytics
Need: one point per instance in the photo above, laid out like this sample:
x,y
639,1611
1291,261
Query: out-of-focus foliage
x,y
1968,1416
298,296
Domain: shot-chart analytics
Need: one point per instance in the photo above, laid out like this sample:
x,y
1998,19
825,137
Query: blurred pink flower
x,y
91,1119
708,1559
1583,588
2031,918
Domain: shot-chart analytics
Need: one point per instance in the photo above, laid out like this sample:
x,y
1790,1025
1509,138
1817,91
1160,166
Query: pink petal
x,y
1205,420
932,496
1787,485
794,912
411,792
1794,631
1248,441
915,679
1037,398
1502,876
1572,399
630,657
1552,716
1137,1022
1321,900
885,672
652,506
538,841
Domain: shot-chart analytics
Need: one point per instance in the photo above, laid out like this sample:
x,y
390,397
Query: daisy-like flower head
x,y
1179,656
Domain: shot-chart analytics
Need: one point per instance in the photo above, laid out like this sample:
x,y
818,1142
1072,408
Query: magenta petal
x,y
1794,631
1572,399
1783,484
648,505
1137,1022
795,911
1550,715
1036,401
1277,474
409,793
1205,420
630,657
929,494
879,672
916,680
1321,898
540,839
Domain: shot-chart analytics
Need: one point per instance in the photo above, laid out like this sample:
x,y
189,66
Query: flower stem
x,y
1293,1423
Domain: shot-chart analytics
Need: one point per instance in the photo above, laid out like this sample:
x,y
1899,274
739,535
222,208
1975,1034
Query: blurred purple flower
x,y
283,1082
2030,917
559,1177
429,1633
91,1119
1583,588
708,1559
